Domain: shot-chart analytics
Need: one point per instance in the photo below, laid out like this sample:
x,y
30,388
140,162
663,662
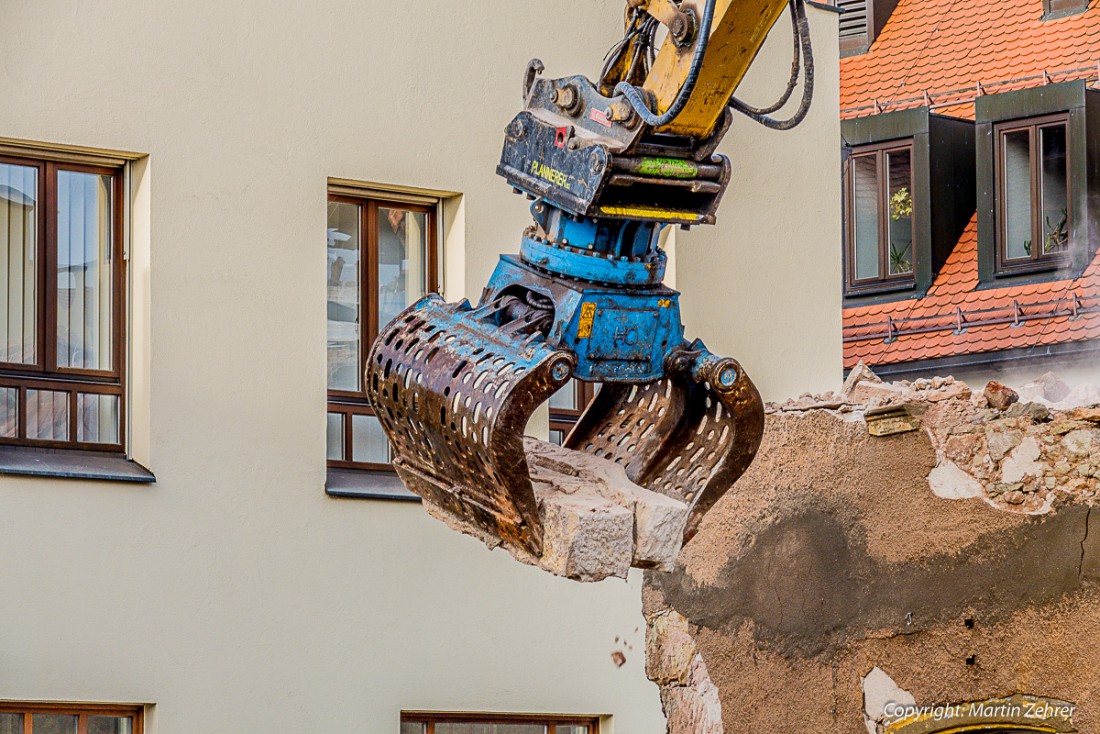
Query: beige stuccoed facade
x,y
233,595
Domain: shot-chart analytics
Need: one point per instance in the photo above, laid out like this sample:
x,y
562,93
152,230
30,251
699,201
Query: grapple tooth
x,y
677,436
454,395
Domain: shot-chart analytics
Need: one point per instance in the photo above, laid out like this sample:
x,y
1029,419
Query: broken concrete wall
x,y
955,559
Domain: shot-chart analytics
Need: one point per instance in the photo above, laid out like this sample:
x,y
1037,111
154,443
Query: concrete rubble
x,y
934,531
596,522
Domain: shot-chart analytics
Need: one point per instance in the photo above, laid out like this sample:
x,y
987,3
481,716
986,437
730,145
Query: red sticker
x,y
599,116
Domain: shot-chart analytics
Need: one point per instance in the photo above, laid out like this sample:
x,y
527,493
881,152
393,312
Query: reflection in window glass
x,y
343,297
368,440
48,416
1017,194
402,260
900,207
407,727
18,255
565,398
557,437
9,419
336,436
1055,189
98,418
53,724
84,272
13,724
865,231
474,728
574,729
109,725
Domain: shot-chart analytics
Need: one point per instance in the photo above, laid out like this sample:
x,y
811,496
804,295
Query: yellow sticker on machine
x,y
588,315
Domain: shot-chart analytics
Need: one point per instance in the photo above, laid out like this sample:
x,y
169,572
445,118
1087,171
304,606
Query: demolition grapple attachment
x,y
607,166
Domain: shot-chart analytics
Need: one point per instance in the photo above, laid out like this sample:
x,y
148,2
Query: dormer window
x,y
1037,159
880,218
908,195
1033,197
1061,8
860,23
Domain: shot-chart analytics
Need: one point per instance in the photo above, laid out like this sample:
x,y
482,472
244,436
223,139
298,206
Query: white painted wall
x,y
234,594
764,286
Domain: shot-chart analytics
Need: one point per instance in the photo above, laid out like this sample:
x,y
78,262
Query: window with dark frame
x,y
62,335
879,217
382,257
1034,214
496,724
566,406
33,718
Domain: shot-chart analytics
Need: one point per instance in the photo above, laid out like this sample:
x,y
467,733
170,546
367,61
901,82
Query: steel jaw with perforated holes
x,y
688,436
454,391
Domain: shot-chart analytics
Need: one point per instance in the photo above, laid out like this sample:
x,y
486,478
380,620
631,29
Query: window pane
x,y
474,728
98,418
1055,190
53,724
13,724
407,727
109,725
865,196
18,250
47,417
557,437
344,248
368,440
573,729
85,329
402,260
1017,201
336,436
899,165
9,420
565,398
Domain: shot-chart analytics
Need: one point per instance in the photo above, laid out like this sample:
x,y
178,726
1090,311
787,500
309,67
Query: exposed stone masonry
x,y
896,543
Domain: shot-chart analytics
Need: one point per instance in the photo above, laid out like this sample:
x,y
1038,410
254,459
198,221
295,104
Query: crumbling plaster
x,y
960,558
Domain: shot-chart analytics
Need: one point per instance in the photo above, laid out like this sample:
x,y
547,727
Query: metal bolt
x,y
727,376
560,371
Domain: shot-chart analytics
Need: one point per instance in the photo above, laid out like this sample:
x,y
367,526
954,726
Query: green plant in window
x,y
1027,247
1057,237
901,204
900,261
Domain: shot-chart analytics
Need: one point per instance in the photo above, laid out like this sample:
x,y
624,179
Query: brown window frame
x,y
350,403
45,374
1036,261
563,419
80,710
883,280
430,719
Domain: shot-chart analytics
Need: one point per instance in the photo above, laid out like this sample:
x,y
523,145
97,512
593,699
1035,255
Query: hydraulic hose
x,y
634,97
803,50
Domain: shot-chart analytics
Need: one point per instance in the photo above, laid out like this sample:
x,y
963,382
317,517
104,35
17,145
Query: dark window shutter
x,y
853,21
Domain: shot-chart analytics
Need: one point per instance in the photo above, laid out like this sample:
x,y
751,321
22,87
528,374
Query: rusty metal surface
x,y
685,436
454,391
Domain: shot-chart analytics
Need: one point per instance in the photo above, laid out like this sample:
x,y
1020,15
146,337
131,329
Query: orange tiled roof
x,y
993,319
945,48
